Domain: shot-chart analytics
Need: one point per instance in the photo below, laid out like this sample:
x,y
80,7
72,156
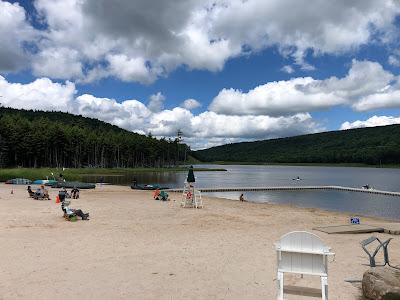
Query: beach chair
x,y
163,196
68,214
302,252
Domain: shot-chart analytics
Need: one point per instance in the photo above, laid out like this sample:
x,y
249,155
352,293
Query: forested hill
x,y
376,145
55,139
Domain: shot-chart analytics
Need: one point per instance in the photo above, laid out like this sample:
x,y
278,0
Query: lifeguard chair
x,y
190,196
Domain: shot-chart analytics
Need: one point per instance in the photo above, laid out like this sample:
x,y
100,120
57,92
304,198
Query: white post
x,y
324,287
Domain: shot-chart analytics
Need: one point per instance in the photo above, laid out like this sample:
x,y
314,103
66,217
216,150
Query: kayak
x,y
148,187
19,181
45,181
74,184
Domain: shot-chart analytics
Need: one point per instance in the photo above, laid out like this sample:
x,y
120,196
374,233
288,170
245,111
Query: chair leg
x,y
280,286
324,287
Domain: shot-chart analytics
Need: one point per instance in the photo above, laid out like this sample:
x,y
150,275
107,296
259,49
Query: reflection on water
x,y
258,176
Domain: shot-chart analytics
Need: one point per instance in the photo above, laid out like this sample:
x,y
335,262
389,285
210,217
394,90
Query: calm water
x,y
236,176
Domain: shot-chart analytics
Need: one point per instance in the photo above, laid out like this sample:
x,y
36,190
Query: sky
x,y
220,71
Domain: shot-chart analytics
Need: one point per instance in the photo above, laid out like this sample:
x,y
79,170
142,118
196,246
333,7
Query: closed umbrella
x,y
190,177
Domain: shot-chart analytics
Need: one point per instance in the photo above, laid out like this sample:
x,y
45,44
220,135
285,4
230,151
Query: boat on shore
x,y
22,181
149,187
74,184
48,182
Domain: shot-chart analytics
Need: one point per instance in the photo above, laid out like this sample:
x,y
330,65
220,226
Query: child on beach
x,y
241,198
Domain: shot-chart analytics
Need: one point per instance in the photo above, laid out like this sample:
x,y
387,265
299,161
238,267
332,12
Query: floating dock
x,y
292,188
350,228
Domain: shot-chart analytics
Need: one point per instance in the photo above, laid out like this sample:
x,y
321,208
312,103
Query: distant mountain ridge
x,y
373,145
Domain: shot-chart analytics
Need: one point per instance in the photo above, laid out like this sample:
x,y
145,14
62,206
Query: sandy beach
x,y
136,248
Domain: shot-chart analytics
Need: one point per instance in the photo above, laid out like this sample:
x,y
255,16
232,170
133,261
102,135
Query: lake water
x,y
258,176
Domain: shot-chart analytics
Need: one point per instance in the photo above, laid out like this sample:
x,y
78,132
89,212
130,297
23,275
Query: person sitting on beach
x,y
70,211
38,194
75,193
156,194
30,192
241,198
45,193
65,193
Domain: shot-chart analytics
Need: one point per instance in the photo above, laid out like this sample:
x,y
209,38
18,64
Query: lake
x,y
258,176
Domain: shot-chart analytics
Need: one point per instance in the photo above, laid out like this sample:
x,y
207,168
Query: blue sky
x,y
281,68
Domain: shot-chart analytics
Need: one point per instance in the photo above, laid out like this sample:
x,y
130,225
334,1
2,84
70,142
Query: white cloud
x,y
210,124
14,32
144,39
130,69
297,26
61,63
304,94
394,60
371,122
387,99
156,102
190,104
40,94
287,69
207,128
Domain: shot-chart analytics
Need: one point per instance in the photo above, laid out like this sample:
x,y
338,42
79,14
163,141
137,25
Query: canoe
x,y
148,187
72,184
45,181
19,181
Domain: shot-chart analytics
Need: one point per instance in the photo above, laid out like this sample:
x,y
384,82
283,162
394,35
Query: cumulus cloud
x,y
394,60
190,104
371,122
60,63
389,98
133,41
358,88
287,69
201,130
15,31
156,102
40,94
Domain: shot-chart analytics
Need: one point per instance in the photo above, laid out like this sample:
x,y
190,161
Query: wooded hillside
x,y
377,145
55,139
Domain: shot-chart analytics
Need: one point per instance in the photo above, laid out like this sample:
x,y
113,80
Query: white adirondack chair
x,y
302,252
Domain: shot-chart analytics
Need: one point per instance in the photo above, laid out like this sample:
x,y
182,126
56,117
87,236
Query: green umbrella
x,y
190,177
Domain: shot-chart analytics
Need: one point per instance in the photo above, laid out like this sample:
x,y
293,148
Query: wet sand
x,y
136,248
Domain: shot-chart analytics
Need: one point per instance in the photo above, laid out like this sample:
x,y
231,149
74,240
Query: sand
x,y
136,248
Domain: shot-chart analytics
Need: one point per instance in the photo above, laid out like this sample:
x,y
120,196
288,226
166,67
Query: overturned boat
x,y
48,182
74,184
19,181
148,187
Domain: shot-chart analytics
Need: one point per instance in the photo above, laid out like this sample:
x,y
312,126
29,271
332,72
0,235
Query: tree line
x,y
54,139
373,146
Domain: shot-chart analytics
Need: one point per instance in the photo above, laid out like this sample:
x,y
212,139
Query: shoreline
x,y
135,247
